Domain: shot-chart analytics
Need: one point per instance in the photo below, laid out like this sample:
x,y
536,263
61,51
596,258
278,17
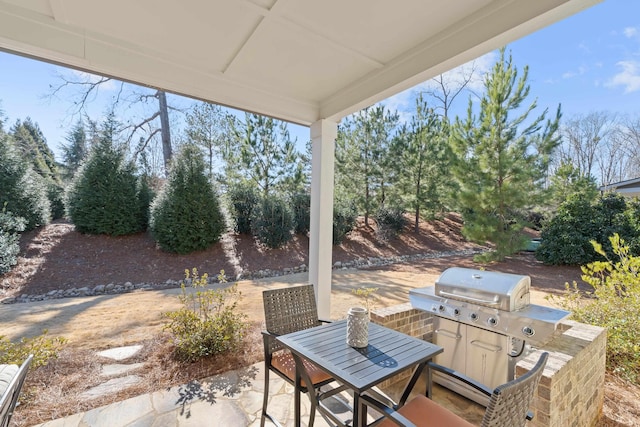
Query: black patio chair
x,y
289,310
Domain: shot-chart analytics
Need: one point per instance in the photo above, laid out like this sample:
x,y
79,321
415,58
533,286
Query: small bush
x,y
614,304
186,215
391,222
272,222
10,229
209,322
42,347
242,198
344,219
301,204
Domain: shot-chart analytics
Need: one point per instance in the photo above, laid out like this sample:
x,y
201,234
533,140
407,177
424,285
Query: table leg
x,y
296,395
412,382
357,410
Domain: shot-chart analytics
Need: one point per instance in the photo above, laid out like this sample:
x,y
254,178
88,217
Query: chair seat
x,y
283,361
424,412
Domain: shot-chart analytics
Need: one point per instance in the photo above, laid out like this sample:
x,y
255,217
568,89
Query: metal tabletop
x,y
389,352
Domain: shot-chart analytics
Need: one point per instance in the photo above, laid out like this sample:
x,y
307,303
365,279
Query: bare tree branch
x,y
144,142
140,125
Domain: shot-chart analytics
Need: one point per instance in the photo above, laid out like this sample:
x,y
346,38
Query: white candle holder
x,y
358,327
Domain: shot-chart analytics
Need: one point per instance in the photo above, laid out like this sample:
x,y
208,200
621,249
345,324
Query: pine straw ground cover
x,y
54,391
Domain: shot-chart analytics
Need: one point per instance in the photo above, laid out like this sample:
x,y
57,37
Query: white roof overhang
x,y
296,60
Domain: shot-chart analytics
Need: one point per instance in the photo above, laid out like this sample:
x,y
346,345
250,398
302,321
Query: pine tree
x,y
186,215
267,153
23,192
422,156
208,128
500,160
31,143
76,150
362,154
103,197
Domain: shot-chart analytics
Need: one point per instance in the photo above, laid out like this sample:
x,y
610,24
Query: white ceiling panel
x,y
359,25
311,78
297,60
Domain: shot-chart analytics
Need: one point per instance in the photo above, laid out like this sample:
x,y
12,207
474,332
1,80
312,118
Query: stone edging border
x,y
111,288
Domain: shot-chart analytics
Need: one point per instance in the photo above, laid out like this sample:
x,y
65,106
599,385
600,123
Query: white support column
x,y
323,136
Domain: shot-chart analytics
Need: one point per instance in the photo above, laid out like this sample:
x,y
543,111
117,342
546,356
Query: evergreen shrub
x,y
566,238
145,197
344,219
301,205
242,199
391,222
22,191
272,222
55,194
186,214
10,229
103,196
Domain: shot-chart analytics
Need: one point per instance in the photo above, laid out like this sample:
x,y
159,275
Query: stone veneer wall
x,y
571,392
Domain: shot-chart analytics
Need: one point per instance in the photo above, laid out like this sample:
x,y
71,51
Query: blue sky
x,y
588,62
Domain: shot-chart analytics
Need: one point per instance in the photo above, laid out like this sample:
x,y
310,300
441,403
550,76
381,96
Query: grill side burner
x,y
485,324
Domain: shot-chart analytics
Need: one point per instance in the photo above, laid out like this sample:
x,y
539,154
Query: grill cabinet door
x,y
487,357
450,336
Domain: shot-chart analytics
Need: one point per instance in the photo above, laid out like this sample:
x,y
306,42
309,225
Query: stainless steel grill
x,y
485,323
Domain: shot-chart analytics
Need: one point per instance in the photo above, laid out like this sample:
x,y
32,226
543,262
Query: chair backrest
x,y
9,397
510,402
289,310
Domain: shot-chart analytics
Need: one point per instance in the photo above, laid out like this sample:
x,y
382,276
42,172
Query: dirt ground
x,y
56,257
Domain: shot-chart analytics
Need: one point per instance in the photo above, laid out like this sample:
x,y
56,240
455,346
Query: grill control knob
x,y
456,311
492,321
528,331
473,316
441,308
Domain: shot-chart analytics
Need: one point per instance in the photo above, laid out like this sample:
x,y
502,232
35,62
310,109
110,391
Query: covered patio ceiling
x,y
296,60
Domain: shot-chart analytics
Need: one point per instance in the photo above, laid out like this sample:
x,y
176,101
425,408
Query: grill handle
x,y
489,347
448,334
469,299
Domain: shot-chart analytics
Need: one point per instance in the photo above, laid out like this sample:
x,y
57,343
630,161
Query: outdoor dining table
x,y
388,353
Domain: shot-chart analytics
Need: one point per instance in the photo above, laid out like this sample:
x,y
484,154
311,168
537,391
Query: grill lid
x,y
504,291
